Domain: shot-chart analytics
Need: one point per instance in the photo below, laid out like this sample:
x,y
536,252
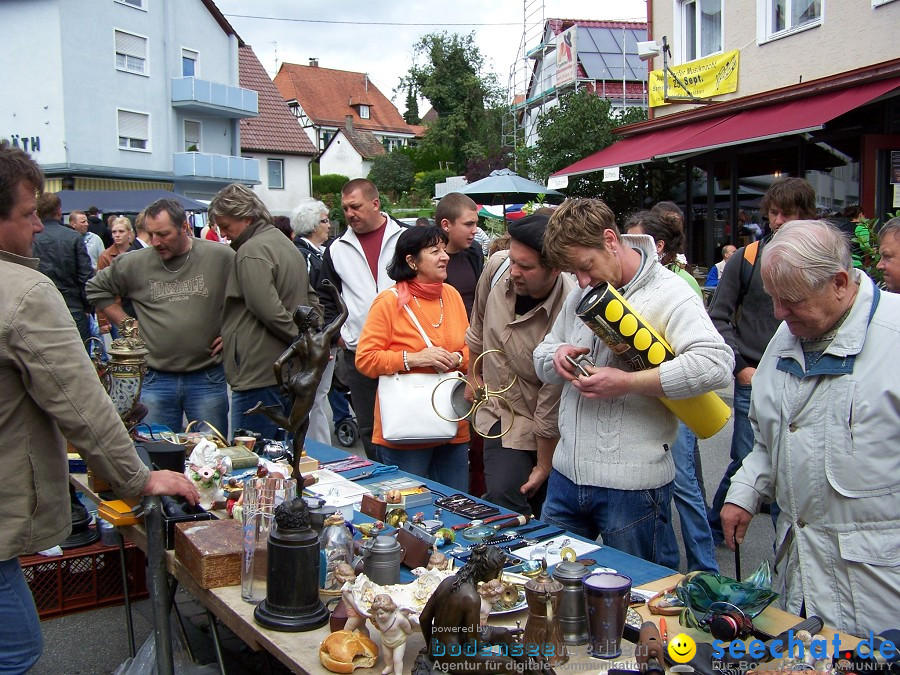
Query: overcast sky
x,y
386,51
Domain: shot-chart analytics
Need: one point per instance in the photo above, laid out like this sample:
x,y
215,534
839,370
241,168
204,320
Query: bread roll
x,y
343,651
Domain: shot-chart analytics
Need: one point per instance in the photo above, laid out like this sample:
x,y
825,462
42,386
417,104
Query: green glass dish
x,y
698,590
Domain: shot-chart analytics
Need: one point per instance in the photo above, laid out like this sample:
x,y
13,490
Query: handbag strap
x,y
415,321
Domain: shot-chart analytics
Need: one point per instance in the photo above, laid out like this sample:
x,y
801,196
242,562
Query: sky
x,y
378,36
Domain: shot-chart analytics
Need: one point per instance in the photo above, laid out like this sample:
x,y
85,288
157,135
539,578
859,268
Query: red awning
x,y
773,120
794,117
642,147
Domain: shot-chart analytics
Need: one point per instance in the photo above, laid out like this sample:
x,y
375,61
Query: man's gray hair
x,y
802,257
890,227
305,218
238,202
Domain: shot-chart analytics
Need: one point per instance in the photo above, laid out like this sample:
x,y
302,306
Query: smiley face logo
x,y
682,648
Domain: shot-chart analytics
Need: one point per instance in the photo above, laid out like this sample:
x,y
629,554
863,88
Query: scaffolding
x,y
520,73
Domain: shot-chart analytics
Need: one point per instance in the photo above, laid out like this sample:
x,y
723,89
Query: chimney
x,y
349,122
313,62
366,76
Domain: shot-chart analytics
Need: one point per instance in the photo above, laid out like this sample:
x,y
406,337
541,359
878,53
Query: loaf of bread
x,y
343,651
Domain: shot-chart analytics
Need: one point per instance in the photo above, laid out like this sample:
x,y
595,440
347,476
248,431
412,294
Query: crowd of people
x,y
579,439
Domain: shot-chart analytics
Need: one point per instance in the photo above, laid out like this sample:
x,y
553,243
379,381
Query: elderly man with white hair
x,y
311,225
825,414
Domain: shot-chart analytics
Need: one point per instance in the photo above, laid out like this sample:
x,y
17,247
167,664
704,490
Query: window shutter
x,y
132,45
134,125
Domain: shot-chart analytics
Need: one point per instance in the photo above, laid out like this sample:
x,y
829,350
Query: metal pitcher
x,y
381,560
572,619
542,629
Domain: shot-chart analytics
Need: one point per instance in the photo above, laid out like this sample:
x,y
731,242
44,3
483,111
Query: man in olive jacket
x,y
50,393
267,282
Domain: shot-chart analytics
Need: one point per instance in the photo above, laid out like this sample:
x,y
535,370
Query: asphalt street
x,y
96,642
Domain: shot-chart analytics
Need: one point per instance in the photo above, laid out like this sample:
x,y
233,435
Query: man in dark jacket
x,y
267,282
98,226
64,258
458,215
742,312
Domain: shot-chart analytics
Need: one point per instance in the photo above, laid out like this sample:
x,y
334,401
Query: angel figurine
x,y
396,626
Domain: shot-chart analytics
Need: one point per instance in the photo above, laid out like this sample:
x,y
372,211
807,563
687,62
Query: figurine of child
x,y
438,561
490,592
395,628
345,576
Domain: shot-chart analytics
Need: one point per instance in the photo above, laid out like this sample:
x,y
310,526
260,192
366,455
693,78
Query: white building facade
x,y
126,94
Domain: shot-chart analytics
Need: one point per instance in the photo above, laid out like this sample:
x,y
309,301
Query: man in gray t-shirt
x,y
177,287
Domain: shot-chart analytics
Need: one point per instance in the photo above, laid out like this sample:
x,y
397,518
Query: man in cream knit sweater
x,y
612,470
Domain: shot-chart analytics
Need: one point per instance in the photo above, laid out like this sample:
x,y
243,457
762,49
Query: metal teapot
x,y
381,559
572,619
544,596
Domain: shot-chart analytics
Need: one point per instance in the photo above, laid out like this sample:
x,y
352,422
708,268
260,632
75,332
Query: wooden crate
x,y
211,551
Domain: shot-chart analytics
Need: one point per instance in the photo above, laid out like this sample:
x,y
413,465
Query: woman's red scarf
x,y
407,289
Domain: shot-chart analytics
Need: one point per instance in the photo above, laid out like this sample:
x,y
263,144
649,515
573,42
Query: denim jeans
x,y
21,643
242,401
698,540
633,521
340,406
447,463
199,395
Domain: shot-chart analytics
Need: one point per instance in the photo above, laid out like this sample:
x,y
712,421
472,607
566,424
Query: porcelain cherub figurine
x,y
490,592
344,574
395,626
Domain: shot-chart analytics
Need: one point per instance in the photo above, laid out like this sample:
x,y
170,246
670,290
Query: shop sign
x,y
703,78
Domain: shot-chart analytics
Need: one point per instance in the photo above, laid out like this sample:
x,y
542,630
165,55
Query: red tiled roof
x,y
559,25
363,141
327,96
276,129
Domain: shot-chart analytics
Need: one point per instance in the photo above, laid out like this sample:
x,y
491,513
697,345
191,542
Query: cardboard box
x,y
211,551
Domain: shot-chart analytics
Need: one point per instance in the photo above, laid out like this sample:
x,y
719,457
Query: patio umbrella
x,y
506,187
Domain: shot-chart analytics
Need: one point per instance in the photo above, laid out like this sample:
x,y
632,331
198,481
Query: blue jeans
x,y
698,540
447,463
340,406
741,446
199,395
242,401
634,521
21,643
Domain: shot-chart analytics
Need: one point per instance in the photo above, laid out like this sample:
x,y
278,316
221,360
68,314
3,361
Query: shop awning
x,y
756,124
794,117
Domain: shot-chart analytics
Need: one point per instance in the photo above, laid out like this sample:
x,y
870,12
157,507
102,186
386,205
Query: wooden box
x,y
211,550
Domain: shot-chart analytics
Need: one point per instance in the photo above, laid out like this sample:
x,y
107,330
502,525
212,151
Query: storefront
x,y
837,132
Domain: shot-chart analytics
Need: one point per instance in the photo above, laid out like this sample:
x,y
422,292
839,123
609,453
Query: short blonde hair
x,y
802,257
578,222
123,221
238,201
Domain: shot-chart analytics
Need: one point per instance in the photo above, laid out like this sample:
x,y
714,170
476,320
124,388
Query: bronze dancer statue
x,y
299,370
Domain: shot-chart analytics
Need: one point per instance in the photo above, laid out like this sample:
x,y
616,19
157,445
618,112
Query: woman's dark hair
x,y
665,227
412,242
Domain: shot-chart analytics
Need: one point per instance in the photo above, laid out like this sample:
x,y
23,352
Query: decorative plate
x,y
520,604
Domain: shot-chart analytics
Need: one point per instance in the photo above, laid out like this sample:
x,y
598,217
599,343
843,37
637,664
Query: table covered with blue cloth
x,y
640,571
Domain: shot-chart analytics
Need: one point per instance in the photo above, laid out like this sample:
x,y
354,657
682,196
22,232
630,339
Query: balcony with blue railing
x,y
203,97
225,167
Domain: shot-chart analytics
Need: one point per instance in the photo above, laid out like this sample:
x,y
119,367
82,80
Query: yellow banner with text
x,y
703,78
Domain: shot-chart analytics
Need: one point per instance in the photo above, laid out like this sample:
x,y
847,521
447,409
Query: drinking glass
x,y
261,497
605,603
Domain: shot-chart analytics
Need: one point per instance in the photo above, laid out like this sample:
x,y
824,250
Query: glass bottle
x,y
337,547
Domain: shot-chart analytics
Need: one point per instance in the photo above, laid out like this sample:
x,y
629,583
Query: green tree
x,y
393,174
328,183
412,107
448,71
579,126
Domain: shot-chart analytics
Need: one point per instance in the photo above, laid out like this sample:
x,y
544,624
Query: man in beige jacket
x,y
517,300
50,393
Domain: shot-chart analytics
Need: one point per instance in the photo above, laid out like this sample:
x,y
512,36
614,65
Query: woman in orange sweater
x,y
391,343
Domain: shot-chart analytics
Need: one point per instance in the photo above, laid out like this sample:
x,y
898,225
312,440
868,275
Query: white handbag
x,y
408,404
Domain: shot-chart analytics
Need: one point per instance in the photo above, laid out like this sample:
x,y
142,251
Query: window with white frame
x,y
784,16
134,130
191,136
364,112
190,62
701,28
131,53
276,174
